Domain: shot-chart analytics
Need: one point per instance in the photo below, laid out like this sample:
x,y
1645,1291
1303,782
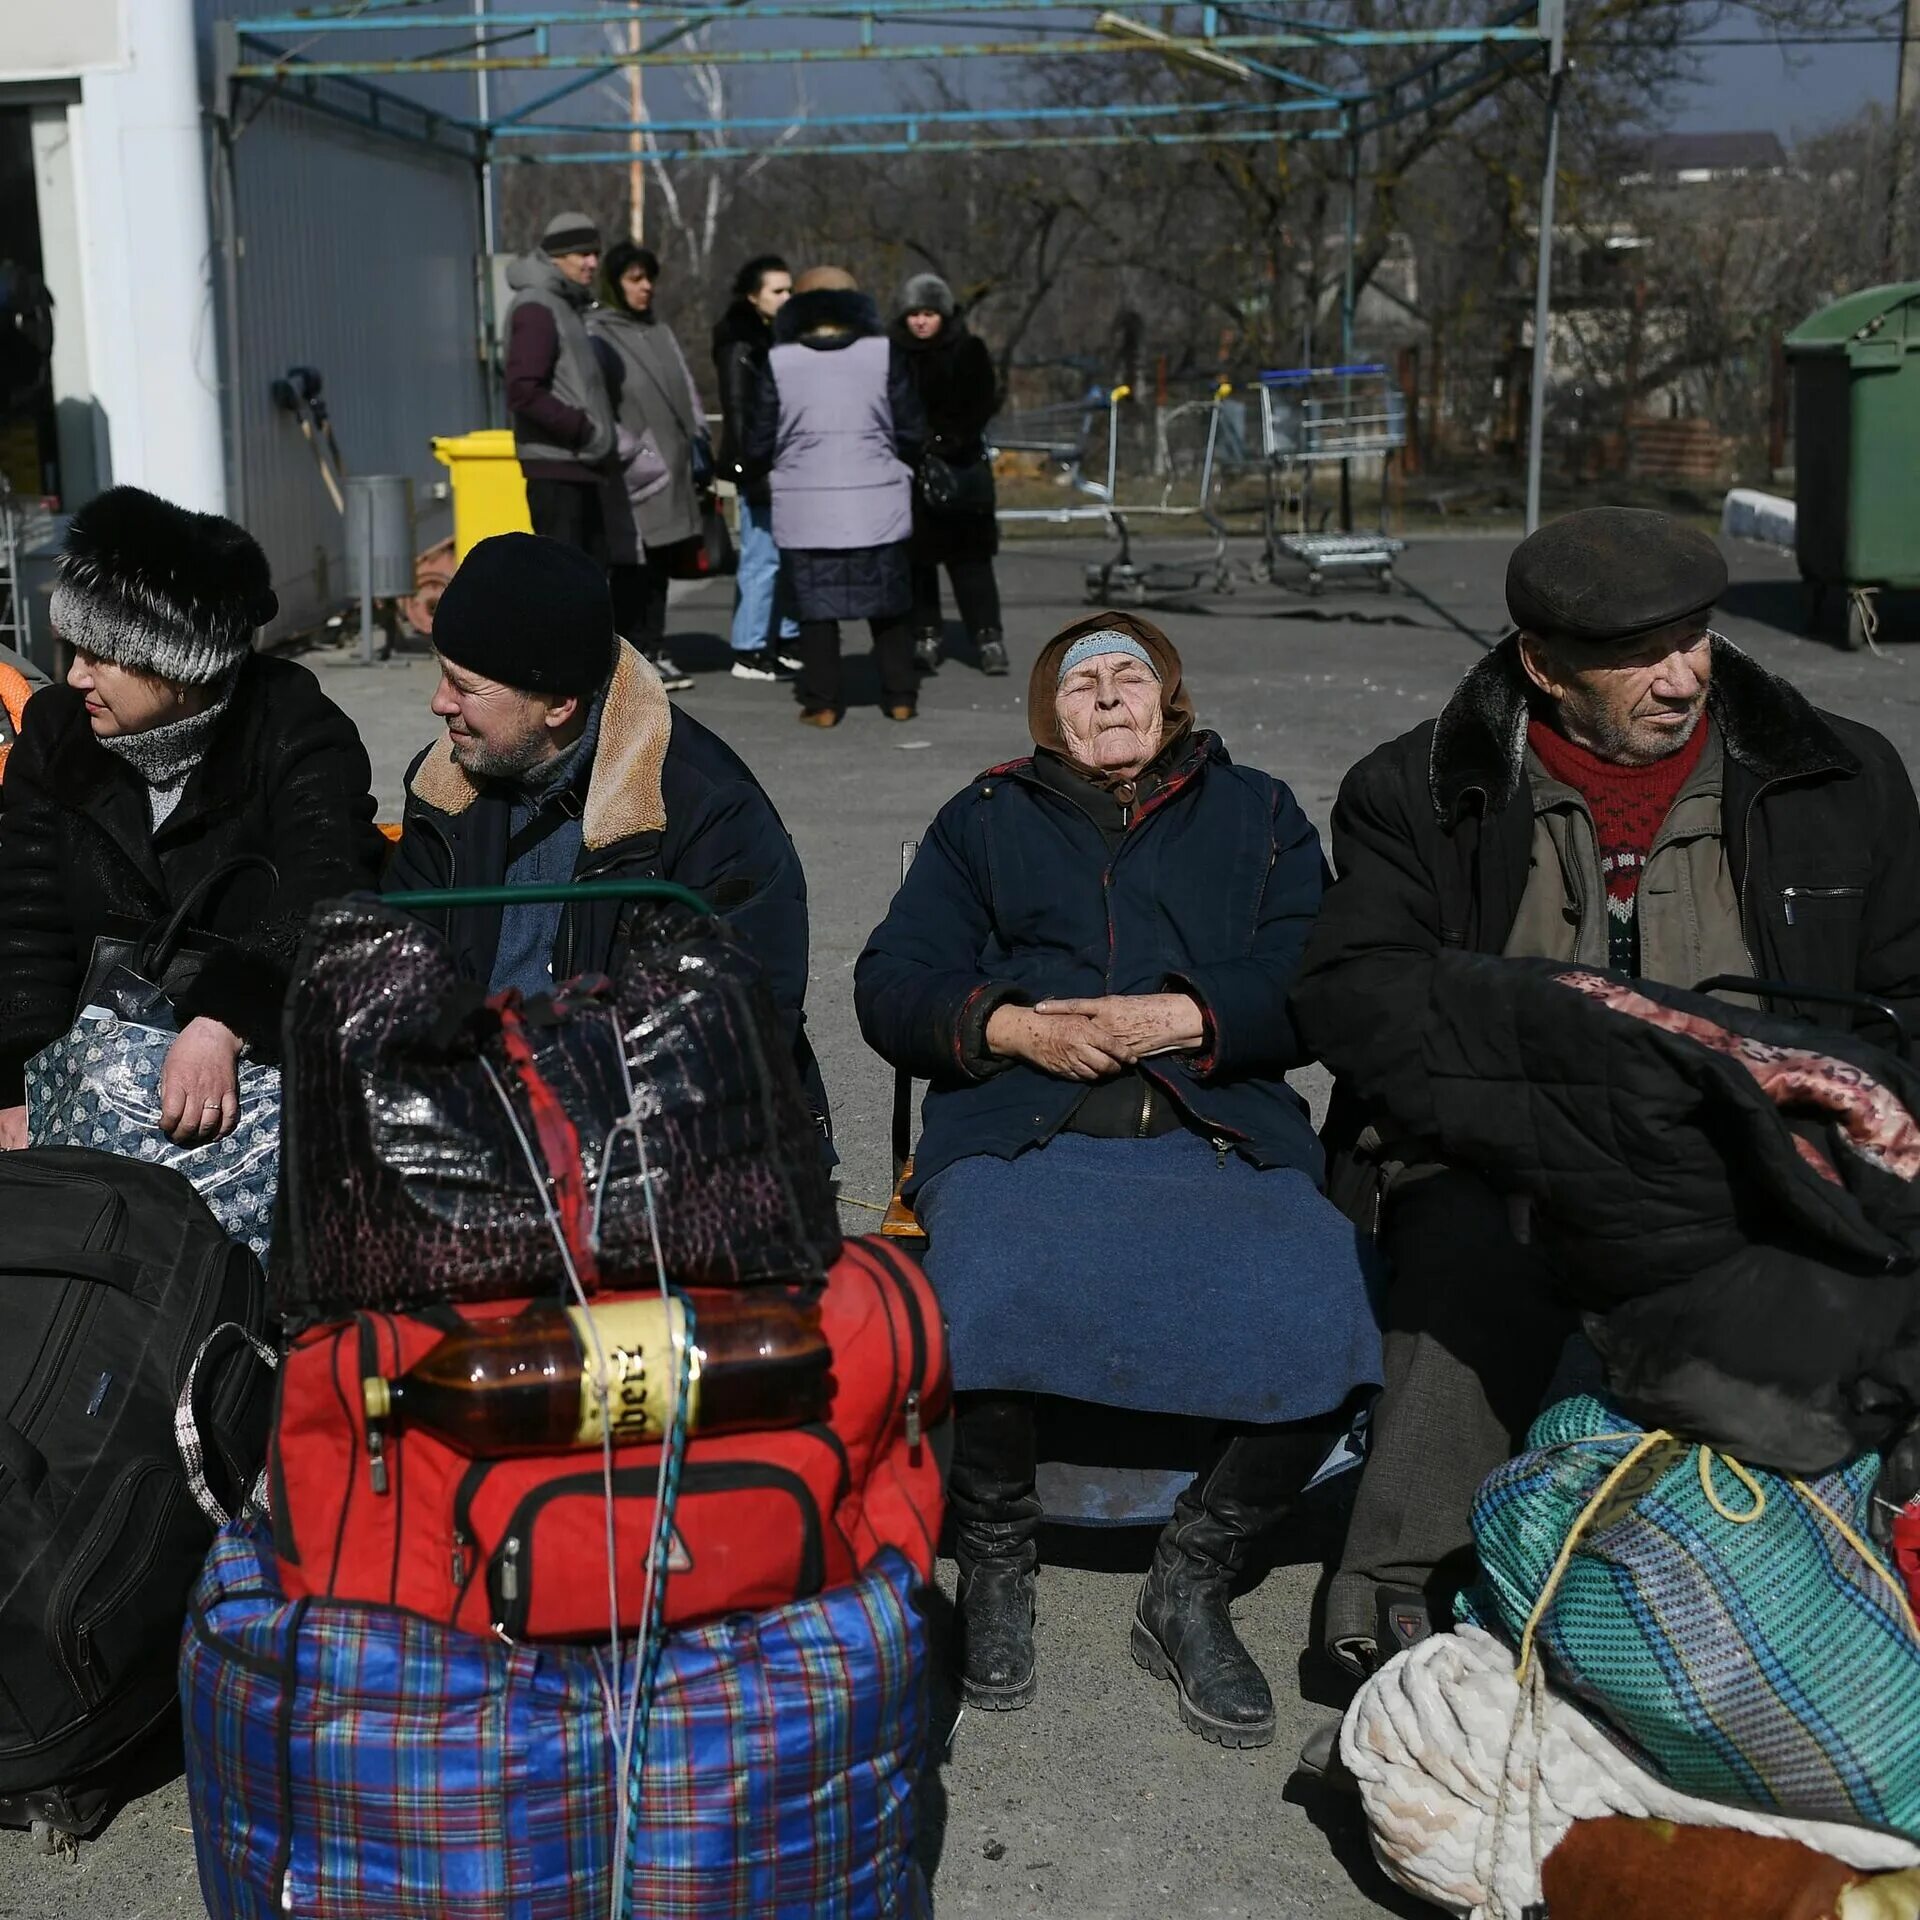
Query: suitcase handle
x,y
557,891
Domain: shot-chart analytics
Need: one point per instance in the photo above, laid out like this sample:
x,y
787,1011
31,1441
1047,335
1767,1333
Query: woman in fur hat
x,y
953,374
173,750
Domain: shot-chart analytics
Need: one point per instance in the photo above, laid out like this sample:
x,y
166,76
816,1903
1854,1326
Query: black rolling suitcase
x,y
113,1274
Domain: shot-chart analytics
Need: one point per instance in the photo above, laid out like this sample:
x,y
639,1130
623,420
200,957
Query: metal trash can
x,y
1856,405
380,535
489,490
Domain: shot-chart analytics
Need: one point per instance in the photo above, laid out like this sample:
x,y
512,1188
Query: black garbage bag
x,y
439,1145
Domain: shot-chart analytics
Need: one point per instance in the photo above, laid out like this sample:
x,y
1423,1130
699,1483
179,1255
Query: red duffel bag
x,y
519,1545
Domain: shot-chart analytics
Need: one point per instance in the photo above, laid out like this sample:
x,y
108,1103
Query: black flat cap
x,y
1607,575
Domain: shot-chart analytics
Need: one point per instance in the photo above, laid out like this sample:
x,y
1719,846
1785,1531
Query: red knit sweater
x,y
1628,805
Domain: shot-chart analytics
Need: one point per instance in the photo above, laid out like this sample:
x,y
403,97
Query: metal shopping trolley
x,y
1312,417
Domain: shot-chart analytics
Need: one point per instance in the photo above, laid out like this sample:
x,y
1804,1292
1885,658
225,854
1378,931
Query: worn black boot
x,y
1182,1630
996,1523
929,649
991,646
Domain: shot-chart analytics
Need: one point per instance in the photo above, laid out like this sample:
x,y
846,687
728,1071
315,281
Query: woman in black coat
x,y
173,750
953,374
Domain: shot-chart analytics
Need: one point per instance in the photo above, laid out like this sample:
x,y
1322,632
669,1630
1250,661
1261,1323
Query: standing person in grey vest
x,y
563,429
835,422
662,422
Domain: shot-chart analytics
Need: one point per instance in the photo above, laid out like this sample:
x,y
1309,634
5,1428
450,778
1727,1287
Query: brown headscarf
x,y
1176,708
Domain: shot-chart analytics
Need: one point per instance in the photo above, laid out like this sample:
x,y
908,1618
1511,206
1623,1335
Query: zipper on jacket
x,y
1789,895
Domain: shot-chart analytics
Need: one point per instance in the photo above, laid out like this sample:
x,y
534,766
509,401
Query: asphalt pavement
x,y
1094,1801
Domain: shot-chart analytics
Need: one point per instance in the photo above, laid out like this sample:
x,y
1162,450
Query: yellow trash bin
x,y
489,492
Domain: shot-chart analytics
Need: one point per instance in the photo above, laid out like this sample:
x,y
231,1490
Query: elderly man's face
x,y
1109,711
497,732
1631,705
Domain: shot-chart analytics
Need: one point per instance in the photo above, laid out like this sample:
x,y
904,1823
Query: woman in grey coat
x,y
835,421
656,403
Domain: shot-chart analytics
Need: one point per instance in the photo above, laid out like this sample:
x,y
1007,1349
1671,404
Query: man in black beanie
x,y
564,760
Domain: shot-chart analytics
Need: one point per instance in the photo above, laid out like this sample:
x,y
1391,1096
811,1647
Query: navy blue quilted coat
x,y
1213,890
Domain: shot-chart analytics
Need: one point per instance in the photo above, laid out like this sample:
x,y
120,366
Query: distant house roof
x,y
1701,156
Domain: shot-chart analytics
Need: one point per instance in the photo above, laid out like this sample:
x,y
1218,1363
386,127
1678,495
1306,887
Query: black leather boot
x,y
991,645
996,1516
1182,1630
929,649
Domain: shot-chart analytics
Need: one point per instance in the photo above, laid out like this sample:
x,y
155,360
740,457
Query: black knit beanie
x,y
530,613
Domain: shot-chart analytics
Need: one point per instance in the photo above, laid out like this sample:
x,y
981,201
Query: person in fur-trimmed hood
x,y
173,750
1615,785
564,760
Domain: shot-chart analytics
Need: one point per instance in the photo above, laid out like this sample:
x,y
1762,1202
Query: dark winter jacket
x,y
1014,897
1432,836
1733,1199
284,777
954,377
666,800
741,341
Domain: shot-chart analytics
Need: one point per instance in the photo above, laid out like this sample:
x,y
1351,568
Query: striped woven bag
x,y
1736,1626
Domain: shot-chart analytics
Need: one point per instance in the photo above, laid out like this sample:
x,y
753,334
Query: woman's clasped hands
x,y
1094,1039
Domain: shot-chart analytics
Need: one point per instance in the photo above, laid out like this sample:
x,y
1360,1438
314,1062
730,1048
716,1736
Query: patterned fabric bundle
x,y
365,1764
98,1086
1734,1625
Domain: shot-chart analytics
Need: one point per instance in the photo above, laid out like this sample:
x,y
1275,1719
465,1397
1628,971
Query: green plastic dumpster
x,y
1856,401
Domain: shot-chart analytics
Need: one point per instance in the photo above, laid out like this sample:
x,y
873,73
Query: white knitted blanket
x,y
1431,1734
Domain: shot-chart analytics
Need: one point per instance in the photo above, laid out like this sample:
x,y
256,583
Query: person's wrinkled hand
x,y
200,1084
1066,1046
1131,1026
13,1129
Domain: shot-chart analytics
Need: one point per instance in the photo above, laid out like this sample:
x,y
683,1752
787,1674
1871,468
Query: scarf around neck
x,y
165,756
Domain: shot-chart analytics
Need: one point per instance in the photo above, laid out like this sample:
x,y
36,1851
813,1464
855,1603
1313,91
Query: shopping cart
x,y
1311,417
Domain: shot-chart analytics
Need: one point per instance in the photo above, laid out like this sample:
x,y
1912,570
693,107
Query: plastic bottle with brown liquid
x,y
526,1383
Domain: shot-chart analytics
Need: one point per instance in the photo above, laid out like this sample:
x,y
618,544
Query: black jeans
x,y
572,511
819,682
975,593
640,607
1474,1336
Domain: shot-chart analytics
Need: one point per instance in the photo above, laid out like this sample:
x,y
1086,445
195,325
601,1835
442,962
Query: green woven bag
x,y
1734,1625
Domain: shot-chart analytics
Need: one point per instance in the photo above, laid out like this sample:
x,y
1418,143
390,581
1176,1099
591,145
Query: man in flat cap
x,y
1614,784
564,760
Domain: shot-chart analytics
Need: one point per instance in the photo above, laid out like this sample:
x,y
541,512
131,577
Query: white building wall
x,y
147,264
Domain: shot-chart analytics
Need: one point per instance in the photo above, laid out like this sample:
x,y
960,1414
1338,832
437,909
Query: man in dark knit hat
x,y
564,760
563,426
1618,785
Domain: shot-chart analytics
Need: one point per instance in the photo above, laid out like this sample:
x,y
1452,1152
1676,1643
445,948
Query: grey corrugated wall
x,y
356,257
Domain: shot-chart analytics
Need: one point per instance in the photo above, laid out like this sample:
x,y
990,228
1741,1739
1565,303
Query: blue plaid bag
x,y
1735,1625
364,1764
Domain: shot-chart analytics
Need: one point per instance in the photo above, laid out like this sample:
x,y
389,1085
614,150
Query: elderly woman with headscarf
x,y
1090,961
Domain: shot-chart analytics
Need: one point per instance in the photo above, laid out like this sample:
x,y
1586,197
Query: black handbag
x,y
949,489
138,972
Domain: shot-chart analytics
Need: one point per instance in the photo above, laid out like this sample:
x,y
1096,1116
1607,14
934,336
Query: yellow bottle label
x,y
631,1348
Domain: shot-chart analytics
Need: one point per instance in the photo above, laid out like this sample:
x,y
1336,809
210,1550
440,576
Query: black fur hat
x,y
152,586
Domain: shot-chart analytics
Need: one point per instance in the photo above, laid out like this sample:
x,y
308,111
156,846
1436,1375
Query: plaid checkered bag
x,y
1734,1625
363,1764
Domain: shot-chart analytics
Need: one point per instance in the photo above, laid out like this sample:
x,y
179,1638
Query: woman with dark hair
x,y
953,374
173,753
742,338
663,423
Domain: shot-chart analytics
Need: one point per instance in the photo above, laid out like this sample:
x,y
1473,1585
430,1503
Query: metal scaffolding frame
x,y
309,55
